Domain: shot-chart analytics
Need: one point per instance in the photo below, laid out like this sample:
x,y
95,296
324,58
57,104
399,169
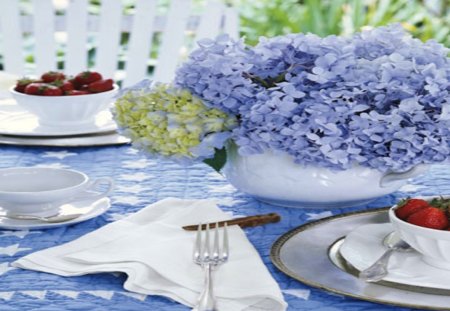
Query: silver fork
x,y
209,259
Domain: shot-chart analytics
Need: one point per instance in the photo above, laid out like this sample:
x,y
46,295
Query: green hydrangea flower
x,y
167,121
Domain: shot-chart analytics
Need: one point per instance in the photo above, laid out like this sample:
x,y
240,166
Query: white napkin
x,y
156,253
364,245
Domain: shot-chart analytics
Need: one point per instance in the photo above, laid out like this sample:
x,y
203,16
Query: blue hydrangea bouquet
x,y
378,99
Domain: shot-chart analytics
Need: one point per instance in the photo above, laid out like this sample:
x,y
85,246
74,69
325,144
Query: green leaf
x,y
218,161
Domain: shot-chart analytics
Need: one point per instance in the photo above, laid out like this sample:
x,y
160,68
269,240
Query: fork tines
x,y
215,254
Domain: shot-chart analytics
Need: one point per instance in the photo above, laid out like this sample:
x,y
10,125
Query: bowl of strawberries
x,y
58,100
424,224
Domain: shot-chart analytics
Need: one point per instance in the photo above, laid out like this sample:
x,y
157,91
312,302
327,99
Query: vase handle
x,y
388,178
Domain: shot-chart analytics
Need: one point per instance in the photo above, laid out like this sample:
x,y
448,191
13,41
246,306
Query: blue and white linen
x,y
141,181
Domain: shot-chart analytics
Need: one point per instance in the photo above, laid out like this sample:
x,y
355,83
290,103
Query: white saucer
x,y
16,121
92,209
363,246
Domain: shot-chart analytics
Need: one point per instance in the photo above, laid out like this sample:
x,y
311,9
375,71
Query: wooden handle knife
x,y
243,222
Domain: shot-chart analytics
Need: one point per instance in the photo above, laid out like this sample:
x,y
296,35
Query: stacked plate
x,y
330,253
20,127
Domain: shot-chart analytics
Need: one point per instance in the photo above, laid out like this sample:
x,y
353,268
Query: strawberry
x,y
35,88
22,84
66,86
74,83
51,90
101,86
76,92
52,76
409,207
87,77
442,203
429,217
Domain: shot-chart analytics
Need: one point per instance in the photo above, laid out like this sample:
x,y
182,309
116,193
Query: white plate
x,y
19,122
363,246
105,139
92,209
304,254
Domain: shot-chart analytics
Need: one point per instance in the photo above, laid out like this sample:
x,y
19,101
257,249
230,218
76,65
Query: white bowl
x,y
65,110
40,190
276,179
433,244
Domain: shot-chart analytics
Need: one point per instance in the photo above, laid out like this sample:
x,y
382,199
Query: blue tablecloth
x,y
139,182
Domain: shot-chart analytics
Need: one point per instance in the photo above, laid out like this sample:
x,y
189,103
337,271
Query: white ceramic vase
x,y
276,179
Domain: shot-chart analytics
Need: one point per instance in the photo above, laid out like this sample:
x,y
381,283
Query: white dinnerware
x,y
275,178
89,209
66,111
323,240
364,245
434,245
41,191
16,121
105,139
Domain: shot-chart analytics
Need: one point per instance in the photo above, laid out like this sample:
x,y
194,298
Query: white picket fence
x,y
75,30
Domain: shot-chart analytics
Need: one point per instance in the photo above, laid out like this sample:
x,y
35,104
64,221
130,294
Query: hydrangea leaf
x,y
218,161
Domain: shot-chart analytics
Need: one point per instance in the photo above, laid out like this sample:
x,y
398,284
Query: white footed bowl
x,y
434,245
276,179
66,111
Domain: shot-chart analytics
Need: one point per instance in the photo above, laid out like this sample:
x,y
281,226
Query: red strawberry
x,y
52,76
76,92
87,77
429,217
74,83
35,88
51,90
409,207
66,86
101,86
22,84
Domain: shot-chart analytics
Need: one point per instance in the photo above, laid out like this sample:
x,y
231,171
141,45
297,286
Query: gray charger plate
x,y
304,254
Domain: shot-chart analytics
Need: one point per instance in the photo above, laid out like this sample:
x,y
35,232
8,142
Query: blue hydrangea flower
x,y
379,98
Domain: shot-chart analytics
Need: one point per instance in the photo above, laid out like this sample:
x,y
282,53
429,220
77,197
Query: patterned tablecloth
x,y
139,182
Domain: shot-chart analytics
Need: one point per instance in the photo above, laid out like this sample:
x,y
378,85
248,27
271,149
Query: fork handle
x,y
206,301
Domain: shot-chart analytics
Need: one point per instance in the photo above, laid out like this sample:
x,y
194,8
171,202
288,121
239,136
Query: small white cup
x,y
41,191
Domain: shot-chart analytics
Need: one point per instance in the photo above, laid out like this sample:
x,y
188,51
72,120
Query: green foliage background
x,y
424,19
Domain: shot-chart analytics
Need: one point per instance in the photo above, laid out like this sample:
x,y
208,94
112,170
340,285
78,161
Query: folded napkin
x,y
364,245
156,253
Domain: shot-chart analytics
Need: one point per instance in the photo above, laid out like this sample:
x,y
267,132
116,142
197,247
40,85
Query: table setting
x,y
56,121
267,177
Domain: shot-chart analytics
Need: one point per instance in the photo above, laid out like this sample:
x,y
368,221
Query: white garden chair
x,y
73,29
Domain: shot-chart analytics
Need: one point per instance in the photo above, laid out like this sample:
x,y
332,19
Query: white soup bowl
x,y
41,191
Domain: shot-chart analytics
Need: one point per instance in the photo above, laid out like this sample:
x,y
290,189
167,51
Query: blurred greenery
x,y
424,19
